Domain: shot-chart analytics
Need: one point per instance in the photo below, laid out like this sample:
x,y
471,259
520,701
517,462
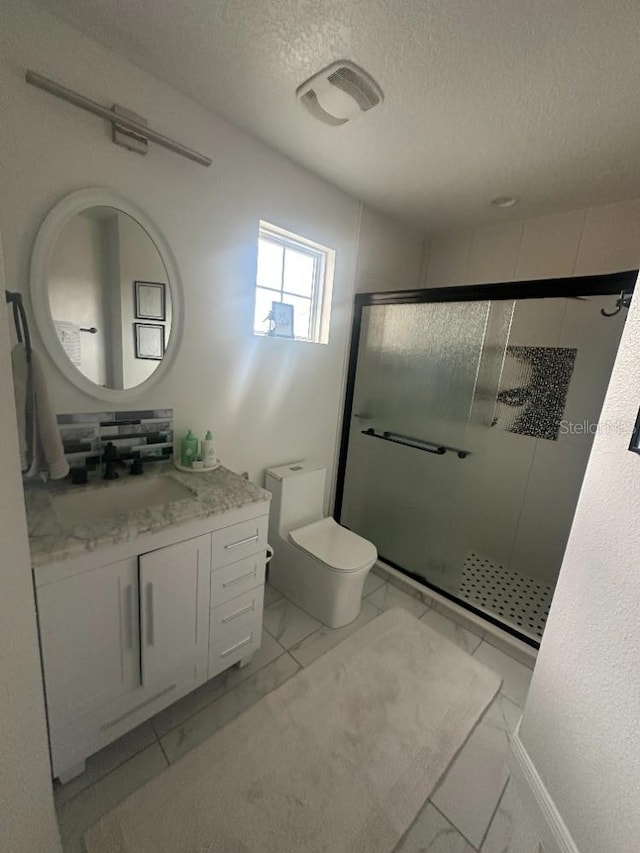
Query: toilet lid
x,y
335,546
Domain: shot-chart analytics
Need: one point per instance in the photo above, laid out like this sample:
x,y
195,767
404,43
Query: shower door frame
x,y
592,285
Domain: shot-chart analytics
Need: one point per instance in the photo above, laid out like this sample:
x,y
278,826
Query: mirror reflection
x,y
110,298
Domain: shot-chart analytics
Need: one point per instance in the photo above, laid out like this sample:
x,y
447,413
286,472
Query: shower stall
x,y
469,418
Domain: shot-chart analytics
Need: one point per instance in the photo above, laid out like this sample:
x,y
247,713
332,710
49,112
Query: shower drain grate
x,y
513,598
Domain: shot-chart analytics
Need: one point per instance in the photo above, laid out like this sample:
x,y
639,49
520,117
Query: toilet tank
x,y
298,495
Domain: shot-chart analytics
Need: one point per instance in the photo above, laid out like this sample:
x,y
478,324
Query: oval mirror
x,y
105,294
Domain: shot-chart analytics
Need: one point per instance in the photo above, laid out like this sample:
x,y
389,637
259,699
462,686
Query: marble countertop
x,y
52,539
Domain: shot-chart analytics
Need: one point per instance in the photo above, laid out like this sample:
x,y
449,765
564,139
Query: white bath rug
x,y
339,759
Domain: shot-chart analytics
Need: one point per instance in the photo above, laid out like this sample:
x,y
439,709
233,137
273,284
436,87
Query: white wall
x,y
581,242
27,821
76,287
267,400
580,725
392,256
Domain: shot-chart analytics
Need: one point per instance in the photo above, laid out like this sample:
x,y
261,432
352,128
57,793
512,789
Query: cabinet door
x,y
90,639
174,607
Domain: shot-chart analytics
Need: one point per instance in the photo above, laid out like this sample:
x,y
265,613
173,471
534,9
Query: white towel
x,y
20,387
40,442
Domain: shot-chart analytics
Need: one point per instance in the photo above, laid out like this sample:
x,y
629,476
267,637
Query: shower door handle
x,y
415,443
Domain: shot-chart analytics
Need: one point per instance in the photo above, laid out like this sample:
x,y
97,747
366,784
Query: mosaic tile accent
x,y
517,600
144,433
533,390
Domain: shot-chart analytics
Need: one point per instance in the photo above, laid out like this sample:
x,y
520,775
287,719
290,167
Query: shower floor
x,y
516,600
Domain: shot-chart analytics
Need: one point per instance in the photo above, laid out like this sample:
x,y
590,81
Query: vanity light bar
x,y
115,118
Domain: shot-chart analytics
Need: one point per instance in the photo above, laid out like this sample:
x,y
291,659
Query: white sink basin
x,y
80,506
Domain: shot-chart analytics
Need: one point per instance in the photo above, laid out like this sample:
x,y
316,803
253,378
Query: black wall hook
x,y
623,301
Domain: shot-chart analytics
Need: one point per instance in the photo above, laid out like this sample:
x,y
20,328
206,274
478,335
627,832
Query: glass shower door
x,y
425,391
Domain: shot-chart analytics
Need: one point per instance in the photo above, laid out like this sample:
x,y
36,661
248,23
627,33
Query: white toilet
x,y
318,564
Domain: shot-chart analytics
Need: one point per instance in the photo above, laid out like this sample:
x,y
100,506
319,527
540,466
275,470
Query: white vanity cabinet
x,y
237,595
174,608
89,639
124,635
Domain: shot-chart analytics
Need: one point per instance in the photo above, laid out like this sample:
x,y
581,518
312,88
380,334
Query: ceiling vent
x,y
339,92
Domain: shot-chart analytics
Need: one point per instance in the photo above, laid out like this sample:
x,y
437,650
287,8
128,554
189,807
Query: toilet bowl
x,y
317,563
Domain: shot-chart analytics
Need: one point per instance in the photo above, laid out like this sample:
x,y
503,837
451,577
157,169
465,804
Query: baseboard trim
x,y
548,821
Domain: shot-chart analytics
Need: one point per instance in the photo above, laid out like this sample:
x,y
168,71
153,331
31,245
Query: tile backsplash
x,y
147,433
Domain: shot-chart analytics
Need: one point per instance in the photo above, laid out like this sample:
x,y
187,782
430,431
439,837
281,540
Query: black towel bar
x,y
20,320
416,443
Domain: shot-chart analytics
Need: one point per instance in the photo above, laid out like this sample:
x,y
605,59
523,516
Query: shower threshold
x,y
493,594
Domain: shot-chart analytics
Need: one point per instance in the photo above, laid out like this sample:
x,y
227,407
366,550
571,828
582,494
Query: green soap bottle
x,y
189,449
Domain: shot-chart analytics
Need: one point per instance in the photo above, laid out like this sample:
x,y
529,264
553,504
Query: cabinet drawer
x,y
236,613
228,650
240,540
236,578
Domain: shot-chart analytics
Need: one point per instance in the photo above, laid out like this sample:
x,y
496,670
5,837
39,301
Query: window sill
x,y
293,340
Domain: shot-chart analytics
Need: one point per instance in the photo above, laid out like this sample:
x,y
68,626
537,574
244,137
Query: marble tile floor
x,y
474,808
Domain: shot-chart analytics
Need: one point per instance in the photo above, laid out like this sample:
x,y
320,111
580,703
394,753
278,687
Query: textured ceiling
x,y
533,98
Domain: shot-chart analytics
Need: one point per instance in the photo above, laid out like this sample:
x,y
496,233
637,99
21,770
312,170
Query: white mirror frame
x,y
43,248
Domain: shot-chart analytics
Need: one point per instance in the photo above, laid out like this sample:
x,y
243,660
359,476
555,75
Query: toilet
x,y
318,564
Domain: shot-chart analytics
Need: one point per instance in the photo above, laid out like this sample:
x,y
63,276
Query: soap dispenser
x,y
189,449
208,451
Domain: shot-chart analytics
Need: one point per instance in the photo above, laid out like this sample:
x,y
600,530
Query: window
x,y
294,281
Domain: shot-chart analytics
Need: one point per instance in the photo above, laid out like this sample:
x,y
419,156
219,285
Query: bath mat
x,y
339,758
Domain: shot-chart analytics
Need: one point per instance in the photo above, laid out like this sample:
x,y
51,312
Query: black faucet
x,y
110,457
136,466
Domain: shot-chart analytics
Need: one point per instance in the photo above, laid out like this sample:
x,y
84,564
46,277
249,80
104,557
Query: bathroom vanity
x,y
146,587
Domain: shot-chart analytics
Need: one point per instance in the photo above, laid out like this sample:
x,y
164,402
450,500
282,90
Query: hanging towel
x,y
40,442
20,369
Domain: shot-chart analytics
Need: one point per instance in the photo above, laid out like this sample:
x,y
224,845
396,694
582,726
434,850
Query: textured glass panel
x,y
298,273
418,366
490,528
428,372
469,494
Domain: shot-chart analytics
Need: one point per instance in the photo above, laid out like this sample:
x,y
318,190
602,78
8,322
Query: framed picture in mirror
x,y
150,300
149,340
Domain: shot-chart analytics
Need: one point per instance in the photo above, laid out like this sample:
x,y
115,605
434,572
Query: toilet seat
x,y
338,548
